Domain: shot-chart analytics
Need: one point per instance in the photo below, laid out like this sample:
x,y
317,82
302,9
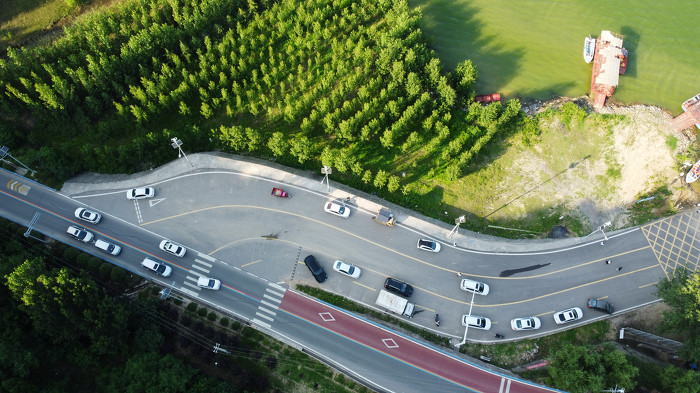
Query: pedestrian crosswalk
x,y
269,304
199,268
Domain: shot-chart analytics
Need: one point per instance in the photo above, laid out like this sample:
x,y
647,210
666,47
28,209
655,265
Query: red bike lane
x,y
404,349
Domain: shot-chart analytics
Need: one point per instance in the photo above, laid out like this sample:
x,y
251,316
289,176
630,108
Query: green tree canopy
x,y
682,294
578,369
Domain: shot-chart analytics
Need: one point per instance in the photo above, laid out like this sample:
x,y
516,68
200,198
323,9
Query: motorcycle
x,y
499,335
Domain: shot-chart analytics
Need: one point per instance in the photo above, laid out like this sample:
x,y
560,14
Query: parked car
x,y
141,193
316,269
568,315
428,245
80,233
474,286
108,247
398,286
87,215
157,267
208,283
173,248
348,269
600,305
476,322
338,210
527,323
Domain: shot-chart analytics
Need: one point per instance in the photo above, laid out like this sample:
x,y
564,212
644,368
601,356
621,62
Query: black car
x,y
315,268
398,286
600,305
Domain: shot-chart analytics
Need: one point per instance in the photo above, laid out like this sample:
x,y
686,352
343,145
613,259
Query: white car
x,y
474,286
208,283
160,268
528,323
141,193
173,248
87,215
428,245
571,314
80,234
338,210
347,269
476,322
108,247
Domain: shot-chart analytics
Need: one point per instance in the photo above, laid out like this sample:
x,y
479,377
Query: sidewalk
x,y
204,162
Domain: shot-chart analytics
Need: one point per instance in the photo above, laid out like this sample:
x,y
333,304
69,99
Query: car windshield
x,y
160,268
341,210
350,269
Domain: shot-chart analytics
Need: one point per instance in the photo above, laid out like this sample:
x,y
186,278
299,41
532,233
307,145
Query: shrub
x,y
223,322
202,312
211,316
192,307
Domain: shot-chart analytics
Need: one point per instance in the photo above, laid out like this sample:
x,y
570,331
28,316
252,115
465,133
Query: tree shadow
x,y
462,36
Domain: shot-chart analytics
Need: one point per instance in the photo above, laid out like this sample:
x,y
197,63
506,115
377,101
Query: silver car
x,y
568,315
141,193
347,269
87,215
173,248
428,245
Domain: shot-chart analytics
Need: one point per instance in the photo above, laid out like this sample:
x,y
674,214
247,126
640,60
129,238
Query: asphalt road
x,y
254,242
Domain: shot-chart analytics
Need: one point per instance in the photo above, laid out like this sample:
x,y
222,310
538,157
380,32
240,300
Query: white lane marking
x,y
272,298
139,218
207,257
277,287
203,263
261,323
267,311
192,285
153,202
200,268
269,305
264,316
189,292
274,293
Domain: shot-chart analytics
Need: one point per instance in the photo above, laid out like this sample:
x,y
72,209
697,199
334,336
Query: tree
x,y
381,178
466,75
301,148
682,294
277,144
677,380
152,373
578,369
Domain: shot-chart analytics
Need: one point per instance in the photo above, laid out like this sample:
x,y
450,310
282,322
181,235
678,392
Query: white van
x,y
476,322
107,247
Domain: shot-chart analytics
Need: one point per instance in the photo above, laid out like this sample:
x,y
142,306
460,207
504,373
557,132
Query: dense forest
x,y
349,84
71,322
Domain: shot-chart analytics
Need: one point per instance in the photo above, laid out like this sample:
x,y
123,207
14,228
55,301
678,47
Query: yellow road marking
x,y
646,285
365,286
545,313
425,308
248,264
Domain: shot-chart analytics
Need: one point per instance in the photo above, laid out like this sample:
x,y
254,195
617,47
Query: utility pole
x,y
326,170
176,144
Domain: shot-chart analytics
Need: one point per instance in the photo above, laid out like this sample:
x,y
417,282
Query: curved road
x,y
231,217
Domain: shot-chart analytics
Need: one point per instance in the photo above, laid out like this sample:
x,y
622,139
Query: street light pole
x,y
455,230
326,170
177,145
466,329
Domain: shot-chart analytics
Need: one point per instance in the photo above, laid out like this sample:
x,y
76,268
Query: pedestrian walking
x,y
602,243
619,268
459,274
607,262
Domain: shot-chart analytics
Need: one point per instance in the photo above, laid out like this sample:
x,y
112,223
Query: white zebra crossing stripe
x,y
264,316
200,268
270,304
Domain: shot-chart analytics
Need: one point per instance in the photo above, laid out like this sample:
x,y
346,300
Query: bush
x,y
211,316
202,311
223,322
81,257
192,307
